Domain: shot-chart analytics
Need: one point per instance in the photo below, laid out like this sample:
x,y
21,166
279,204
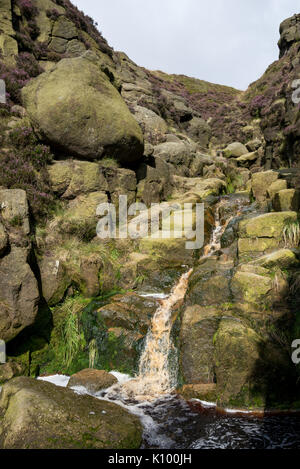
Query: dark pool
x,y
183,425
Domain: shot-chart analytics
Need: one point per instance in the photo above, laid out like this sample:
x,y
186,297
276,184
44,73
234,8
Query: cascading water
x,y
219,228
156,376
215,241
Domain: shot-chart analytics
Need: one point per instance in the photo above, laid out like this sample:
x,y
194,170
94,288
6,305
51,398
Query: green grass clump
x,y
291,234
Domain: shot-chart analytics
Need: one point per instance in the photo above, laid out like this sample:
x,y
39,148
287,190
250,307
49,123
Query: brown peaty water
x,y
155,376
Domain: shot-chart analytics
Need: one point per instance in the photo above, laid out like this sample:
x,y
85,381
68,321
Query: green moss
x,y
248,398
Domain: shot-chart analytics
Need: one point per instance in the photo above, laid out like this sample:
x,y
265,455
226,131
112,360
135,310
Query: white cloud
x,y
223,41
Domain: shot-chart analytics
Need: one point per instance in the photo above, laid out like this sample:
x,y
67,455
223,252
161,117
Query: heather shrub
x,y
25,167
15,79
25,43
33,30
17,173
23,139
18,76
257,104
53,14
29,64
27,8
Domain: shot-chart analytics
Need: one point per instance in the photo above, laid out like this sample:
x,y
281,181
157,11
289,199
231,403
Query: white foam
x,y
121,377
81,390
228,411
205,403
58,380
156,296
237,411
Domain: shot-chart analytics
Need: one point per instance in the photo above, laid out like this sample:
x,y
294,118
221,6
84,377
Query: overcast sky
x,y
230,42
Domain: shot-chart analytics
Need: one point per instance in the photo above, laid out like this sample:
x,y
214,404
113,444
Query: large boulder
x,y
19,294
76,109
209,283
40,415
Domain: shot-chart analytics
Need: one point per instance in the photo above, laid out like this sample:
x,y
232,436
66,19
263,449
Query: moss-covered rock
x,y
76,109
129,311
39,415
237,350
43,22
282,259
269,225
64,28
248,246
250,287
167,252
209,283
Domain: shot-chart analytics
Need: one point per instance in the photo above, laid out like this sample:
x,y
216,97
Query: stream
x,y
169,421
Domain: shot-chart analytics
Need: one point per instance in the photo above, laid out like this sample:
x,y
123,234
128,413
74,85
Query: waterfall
x,y
156,376
157,371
